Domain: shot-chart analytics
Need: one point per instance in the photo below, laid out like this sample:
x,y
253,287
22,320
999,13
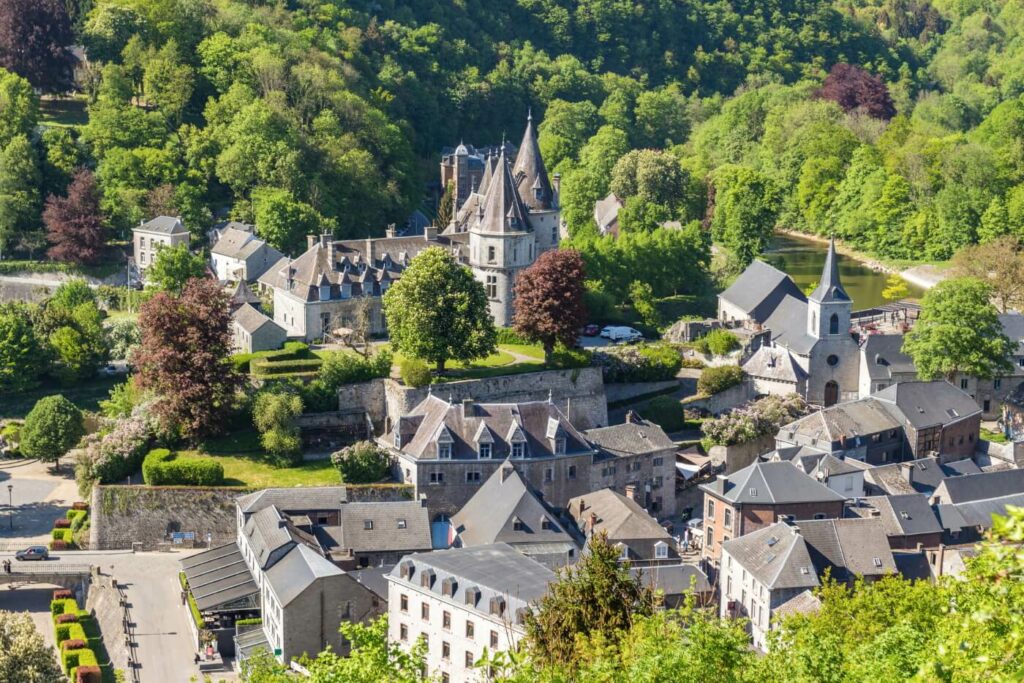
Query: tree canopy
x,y
548,300
51,429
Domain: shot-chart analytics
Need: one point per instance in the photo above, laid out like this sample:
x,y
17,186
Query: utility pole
x,y
10,505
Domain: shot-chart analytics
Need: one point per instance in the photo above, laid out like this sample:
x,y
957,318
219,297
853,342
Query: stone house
x,y
606,214
760,495
967,521
375,534
448,450
980,486
153,235
936,418
639,538
238,255
914,476
252,331
461,602
908,519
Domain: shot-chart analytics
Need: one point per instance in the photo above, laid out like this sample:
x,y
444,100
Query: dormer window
x,y
661,550
538,194
623,551
518,450
560,446
517,524
485,450
325,292
346,291
444,451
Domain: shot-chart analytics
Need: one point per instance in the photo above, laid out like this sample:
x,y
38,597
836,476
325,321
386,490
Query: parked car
x,y
591,330
35,552
606,331
625,334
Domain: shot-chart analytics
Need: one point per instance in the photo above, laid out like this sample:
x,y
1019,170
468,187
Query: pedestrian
x,y
183,597
197,658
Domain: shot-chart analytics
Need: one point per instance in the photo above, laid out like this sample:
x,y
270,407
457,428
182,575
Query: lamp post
x,y
10,505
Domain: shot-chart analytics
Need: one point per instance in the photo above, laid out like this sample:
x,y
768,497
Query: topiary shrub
x,y
162,467
61,594
71,659
87,674
362,463
58,545
666,412
714,380
62,523
69,631
73,644
414,372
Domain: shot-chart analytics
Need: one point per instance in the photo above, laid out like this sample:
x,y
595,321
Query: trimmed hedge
x,y
58,545
414,372
162,467
72,659
69,632
192,606
87,674
62,594
292,350
66,605
249,622
62,523
66,536
77,518
265,368
73,644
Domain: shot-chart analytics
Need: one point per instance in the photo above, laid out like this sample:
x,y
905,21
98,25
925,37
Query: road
x,y
39,498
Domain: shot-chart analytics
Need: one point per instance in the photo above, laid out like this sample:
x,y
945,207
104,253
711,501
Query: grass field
x,y
252,471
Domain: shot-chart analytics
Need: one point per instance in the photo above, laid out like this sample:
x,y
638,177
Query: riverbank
x,y
923,275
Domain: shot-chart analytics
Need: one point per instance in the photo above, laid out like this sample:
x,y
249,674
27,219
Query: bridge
x,y
75,577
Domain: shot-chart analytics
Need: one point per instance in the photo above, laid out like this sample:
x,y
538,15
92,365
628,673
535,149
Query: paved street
x,y
39,498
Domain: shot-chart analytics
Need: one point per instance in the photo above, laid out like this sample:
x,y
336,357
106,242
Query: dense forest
x,y
895,124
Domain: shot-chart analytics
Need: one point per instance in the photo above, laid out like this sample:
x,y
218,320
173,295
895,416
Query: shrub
x,y
717,342
293,350
506,335
714,380
58,545
75,658
65,535
79,505
414,372
249,622
197,617
71,644
162,467
62,523
666,412
77,518
285,367
110,456
641,363
61,594
87,674
275,415
69,631
694,363
759,418
362,463
570,358
340,368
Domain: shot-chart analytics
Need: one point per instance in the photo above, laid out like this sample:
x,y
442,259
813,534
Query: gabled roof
x,y
165,225
297,571
298,498
268,536
927,404
674,579
1013,327
980,486
774,363
927,475
804,602
976,513
399,526
850,547
776,556
490,516
883,356
770,483
502,209
830,288
241,294
788,325
831,466
250,320
904,515
630,438
843,423
759,289
233,241
529,173
606,211
621,518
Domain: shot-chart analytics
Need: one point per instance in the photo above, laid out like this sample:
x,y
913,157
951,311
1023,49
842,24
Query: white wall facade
x,y
751,599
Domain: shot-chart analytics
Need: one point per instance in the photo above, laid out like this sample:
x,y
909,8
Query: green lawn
x,y
535,351
249,469
994,437
86,395
63,113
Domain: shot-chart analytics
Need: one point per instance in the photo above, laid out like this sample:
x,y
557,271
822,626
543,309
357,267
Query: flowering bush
x,y
752,420
116,451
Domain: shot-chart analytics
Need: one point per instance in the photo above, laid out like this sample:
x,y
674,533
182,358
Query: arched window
x,y
833,324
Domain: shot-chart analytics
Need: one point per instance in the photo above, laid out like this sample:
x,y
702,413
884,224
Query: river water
x,y
803,260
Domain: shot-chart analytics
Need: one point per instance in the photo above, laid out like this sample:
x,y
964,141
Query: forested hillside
x,y
307,115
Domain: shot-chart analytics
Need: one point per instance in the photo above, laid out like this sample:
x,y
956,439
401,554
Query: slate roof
x,y
374,579
297,571
980,486
235,243
618,516
928,474
1013,327
673,579
804,602
503,208
501,423
759,289
606,211
883,356
218,576
530,175
495,570
843,421
850,547
788,325
926,404
402,526
830,288
294,499
976,513
831,466
268,536
241,294
903,515
774,363
770,483
165,225
776,556
250,319
630,438
491,515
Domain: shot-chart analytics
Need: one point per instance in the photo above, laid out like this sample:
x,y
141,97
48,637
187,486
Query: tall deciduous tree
x,y
438,311
24,655
52,428
174,266
22,357
183,358
1000,264
19,111
35,37
74,224
19,190
746,206
851,88
548,301
958,332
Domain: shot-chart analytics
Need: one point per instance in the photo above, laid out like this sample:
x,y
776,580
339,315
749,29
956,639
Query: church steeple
x,y
830,288
529,172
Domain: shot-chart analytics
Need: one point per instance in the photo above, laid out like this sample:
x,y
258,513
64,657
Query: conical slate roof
x,y
830,288
502,209
490,164
529,172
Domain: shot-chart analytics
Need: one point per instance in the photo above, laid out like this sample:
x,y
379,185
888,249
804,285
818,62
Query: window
x,y
560,446
491,255
832,360
492,286
549,474
657,482
485,450
446,650
997,383
401,524
368,524
658,462
833,325
545,524
403,632
624,551
325,295
727,518
142,257
710,541
470,660
446,620
661,551
711,509
470,629
494,639
517,450
820,515
963,383
554,234
571,472
444,451
437,477
472,477
517,525
403,602
425,612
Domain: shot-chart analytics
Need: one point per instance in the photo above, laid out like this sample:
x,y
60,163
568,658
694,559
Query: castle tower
x,y
531,178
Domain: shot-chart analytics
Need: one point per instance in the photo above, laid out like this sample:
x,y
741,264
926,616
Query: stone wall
x,y
631,390
580,393
738,456
364,397
723,401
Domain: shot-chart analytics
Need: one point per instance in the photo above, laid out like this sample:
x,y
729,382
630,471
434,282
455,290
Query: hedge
x,y
60,606
69,632
292,350
162,467
414,372
73,644
506,335
192,606
58,545
714,380
86,674
286,367
62,594
62,523
77,518
65,535
717,342
72,659
249,622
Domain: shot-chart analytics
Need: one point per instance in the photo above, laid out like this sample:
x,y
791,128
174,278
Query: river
x,y
803,260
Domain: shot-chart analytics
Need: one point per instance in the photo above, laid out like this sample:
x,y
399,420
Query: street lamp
x,y
10,505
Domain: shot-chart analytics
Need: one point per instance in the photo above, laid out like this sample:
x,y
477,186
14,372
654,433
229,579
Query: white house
x,y
239,255
150,237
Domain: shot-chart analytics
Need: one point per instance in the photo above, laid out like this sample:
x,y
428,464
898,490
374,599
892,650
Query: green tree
x,y
51,429
19,107
660,118
958,331
122,399
24,655
22,356
641,294
1000,265
895,288
275,415
284,222
19,190
363,462
71,294
168,83
173,267
438,311
80,346
746,206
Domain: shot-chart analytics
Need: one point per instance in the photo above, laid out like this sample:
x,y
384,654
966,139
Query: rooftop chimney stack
x,y
310,241
389,231
631,492
907,470
430,233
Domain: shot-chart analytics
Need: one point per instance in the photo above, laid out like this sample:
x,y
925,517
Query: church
x,y
500,227
810,349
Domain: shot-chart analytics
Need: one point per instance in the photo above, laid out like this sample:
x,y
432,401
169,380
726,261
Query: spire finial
x,y
529,113
550,396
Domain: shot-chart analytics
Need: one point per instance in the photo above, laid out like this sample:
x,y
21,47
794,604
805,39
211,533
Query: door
x,y
831,393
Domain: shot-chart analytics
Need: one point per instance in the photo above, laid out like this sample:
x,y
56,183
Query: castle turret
x,y
529,172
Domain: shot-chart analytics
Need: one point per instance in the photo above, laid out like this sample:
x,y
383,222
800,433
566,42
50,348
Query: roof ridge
x,y
785,558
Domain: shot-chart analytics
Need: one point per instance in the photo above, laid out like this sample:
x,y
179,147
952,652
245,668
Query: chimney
x,y
310,241
630,417
907,470
591,523
942,558
369,252
631,492
506,471
325,239
430,233
389,231
467,407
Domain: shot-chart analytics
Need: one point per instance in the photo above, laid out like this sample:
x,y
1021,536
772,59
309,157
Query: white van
x,y
623,334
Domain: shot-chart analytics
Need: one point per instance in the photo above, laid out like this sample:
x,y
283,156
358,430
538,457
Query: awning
x,y
219,577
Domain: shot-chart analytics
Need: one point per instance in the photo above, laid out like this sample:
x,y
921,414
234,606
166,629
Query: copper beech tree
x,y
549,307
74,224
183,357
